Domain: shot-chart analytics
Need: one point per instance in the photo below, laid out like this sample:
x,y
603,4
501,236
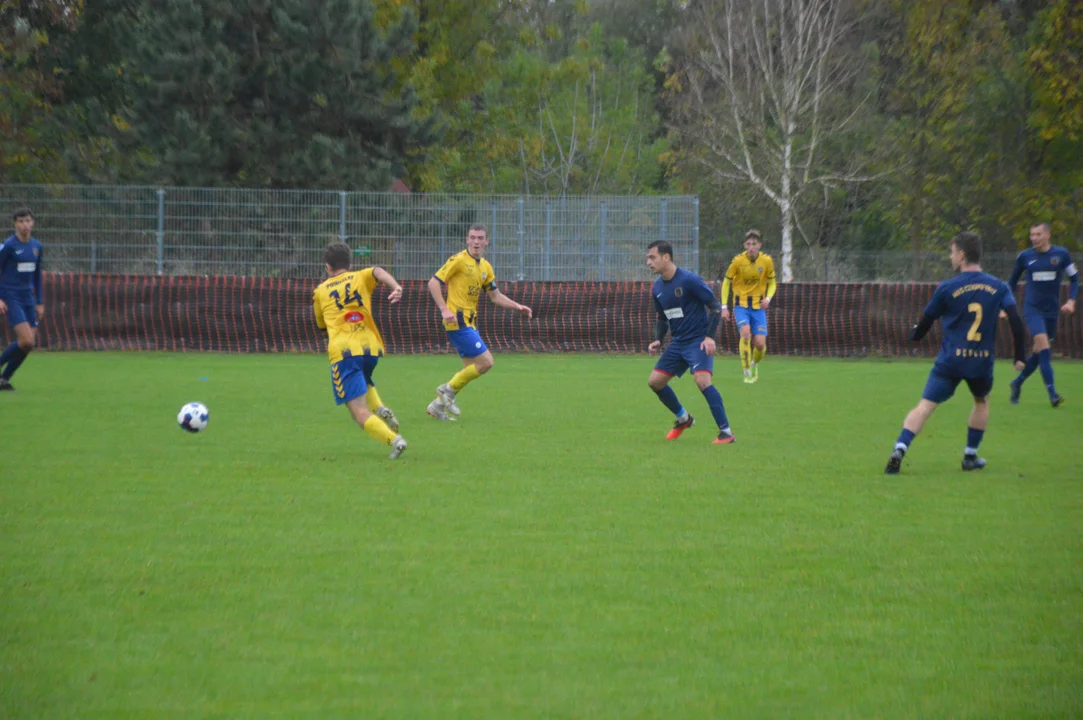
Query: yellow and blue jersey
x,y
343,305
752,280
465,277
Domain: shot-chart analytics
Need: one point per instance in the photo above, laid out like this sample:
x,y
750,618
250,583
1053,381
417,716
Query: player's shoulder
x,y
739,258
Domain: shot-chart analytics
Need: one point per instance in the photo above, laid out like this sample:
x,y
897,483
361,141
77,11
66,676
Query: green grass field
x,y
548,556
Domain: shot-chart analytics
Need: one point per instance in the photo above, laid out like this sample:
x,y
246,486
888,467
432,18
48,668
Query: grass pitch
x,y
550,555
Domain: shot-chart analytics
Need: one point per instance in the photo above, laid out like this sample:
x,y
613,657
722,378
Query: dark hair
x,y
663,247
753,234
21,213
478,226
338,256
1048,227
970,244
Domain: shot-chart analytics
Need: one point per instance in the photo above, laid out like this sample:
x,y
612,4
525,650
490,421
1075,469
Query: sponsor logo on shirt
x,y
1044,276
26,266
353,317
674,313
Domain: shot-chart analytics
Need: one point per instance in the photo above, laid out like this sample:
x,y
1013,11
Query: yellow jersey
x,y
465,278
343,305
751,279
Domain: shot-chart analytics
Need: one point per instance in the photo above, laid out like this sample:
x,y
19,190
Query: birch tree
x,y
763,93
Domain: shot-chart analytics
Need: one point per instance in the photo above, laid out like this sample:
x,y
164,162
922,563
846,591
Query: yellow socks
x,y
378,429
757,354
746,352
463,377
372,399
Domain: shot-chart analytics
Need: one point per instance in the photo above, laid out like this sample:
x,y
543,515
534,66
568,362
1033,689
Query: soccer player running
x,y
968,307
343,306
688,309
20,293
1044,265
465,275
752,275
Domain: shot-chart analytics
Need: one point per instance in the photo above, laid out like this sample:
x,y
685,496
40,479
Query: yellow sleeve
x,y
490,278
367,278
772,281
317,306
449,269
725,291
732,272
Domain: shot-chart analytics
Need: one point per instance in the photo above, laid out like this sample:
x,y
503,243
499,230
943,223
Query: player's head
x,y
24,222
660,256
477,237
337,257
1040,234
965,249
753,243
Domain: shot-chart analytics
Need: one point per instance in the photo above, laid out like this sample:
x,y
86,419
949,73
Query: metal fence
x,y
281,233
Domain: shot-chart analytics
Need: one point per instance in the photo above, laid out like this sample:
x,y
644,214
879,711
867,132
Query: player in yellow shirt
x,y
343,306
466,275
752,276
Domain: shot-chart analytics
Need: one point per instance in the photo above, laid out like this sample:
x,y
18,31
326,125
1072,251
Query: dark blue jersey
x,y
688,305
1044,272
968,306
20,269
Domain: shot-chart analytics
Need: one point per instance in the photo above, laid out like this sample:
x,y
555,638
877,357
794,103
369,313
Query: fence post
x,y
443,234
342,216
661,220
601,254
548,234
522,231
161,230
492,230
695,235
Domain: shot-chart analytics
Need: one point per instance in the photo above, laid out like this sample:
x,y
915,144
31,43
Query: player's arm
x,y
933,310
714,314
725,294
383,276
5,253
1019,333
38,296
661,325
501,300
1017,272
317,307
772,284
1073,286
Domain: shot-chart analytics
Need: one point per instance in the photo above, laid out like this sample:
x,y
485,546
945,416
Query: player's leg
x,y
759,341
670,364
348,383
979,420
1036,328
24,322
477,360
373,400
1045,360
744,327
938,389
705,383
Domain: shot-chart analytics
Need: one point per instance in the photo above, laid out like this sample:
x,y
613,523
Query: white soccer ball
x,y
193,417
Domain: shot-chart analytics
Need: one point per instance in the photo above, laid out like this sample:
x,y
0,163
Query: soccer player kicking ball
x,y
690,311
968,307
20,293
752,275
1044,265
466,275
343,306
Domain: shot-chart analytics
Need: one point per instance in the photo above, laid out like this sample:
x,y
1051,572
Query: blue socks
x,y
14,358
1031,366
718,410
905,438
973,440
669,399
1045,362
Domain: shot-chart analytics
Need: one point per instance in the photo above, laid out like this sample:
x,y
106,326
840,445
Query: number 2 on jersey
x,y
973,333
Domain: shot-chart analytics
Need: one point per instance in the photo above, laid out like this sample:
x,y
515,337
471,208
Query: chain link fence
x,y
281,233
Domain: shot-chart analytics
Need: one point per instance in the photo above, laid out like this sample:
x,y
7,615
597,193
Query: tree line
x,y
832,125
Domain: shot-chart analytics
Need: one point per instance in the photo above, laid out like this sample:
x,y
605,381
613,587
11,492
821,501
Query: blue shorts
x,y
467,341
1041,324
757,319
21,311
679,357
941,386
351,377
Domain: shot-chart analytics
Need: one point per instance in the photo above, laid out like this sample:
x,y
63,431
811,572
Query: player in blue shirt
x,y
968,306
690,312
1044,266
20,293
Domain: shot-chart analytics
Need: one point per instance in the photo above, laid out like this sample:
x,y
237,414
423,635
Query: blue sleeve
x,y
701,292
1007,300
935,308
1017,272
5,253
1073,276
38,298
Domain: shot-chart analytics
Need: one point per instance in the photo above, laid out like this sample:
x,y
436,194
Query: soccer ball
x,y
193,417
